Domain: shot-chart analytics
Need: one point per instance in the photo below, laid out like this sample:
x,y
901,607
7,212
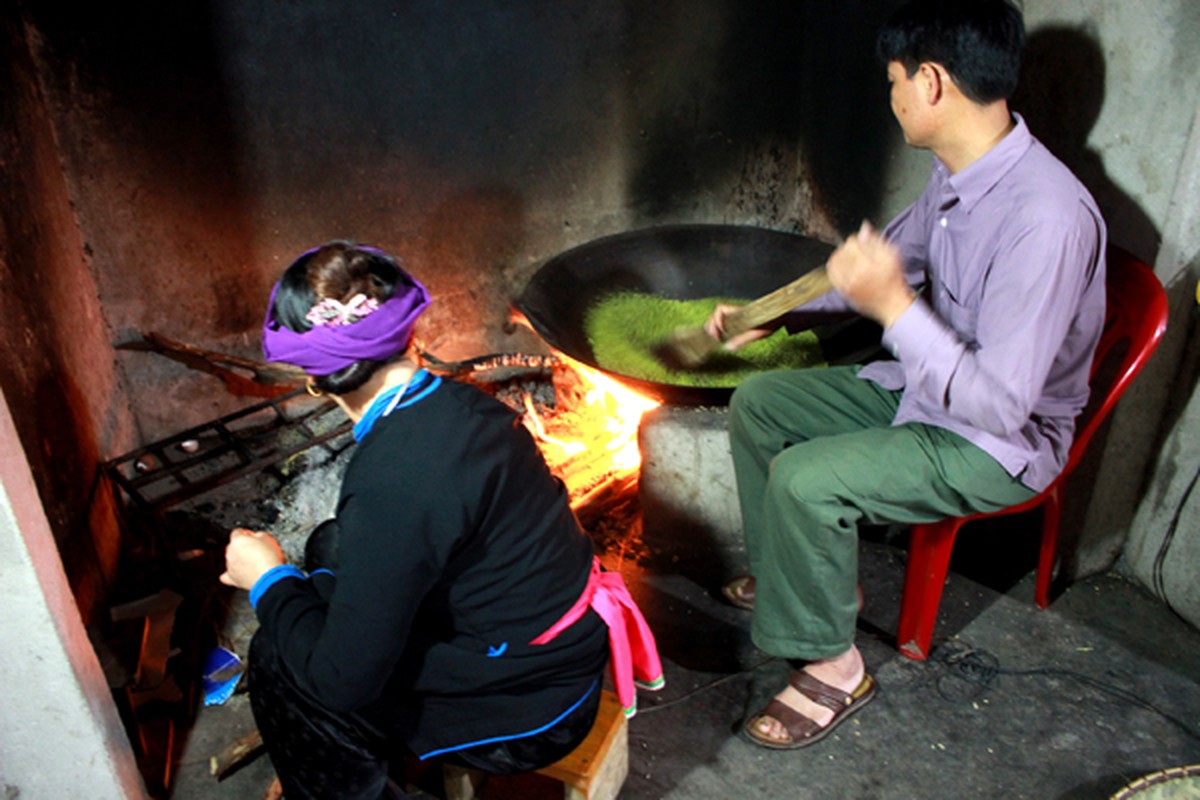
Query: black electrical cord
x,y
866,629
981,668
703,688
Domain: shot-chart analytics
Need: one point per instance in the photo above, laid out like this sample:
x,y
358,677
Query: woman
x,y
449,611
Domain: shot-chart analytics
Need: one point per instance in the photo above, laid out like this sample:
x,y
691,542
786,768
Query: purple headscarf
x,y
324,350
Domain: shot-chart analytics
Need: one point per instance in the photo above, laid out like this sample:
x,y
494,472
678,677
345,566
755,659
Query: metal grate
x,y
190,463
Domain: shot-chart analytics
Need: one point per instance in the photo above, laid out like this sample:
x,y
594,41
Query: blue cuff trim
x,y
270,578
533,732
322,571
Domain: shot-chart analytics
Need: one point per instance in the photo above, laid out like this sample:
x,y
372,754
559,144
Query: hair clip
x,y
331,313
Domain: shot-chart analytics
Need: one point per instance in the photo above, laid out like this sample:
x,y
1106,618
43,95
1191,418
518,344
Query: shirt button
x,y
942,221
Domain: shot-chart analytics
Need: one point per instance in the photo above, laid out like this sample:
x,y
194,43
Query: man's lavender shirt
x,y
998,347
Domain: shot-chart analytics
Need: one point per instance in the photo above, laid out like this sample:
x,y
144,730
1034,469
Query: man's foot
x,y
817,699
740,593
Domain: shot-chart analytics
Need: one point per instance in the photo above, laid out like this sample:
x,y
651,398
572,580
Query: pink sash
x,y
634,654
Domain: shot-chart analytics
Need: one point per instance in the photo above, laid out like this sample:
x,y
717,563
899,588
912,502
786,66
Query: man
x,y
990,291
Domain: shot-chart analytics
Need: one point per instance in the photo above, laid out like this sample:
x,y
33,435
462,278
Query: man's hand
x,y
248,555
867,270
715,326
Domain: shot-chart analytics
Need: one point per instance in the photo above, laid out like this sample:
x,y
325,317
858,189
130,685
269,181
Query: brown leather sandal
x,y
803,731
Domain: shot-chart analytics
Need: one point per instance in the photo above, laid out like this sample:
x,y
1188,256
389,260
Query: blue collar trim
x,y
421,385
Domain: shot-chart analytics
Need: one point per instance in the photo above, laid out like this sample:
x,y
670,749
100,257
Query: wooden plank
x,y
602,760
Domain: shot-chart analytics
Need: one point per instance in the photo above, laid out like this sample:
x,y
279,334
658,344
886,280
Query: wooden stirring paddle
x,y
689,347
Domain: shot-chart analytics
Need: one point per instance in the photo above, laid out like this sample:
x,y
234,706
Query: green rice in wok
x,y
627,331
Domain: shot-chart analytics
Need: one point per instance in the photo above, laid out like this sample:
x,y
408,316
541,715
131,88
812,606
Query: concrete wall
x,y
1123,115
1164,535
202,146
62,736
207,144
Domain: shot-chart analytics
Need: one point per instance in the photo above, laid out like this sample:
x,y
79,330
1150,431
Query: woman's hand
x,y
715,327
248,556
867,270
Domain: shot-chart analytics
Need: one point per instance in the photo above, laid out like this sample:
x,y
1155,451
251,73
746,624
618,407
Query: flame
x,y
539,430
607,426
623,414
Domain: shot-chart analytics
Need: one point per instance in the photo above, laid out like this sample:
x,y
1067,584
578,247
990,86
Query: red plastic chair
x,y
1137,315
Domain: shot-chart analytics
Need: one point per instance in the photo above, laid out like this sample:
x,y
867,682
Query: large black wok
x,y
683,262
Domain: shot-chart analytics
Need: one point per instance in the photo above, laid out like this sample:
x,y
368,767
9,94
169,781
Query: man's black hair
x,y
979,43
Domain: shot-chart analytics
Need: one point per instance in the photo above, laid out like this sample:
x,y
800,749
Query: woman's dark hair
x,y
979,42
338,269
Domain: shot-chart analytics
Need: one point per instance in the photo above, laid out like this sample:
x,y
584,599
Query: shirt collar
x,y
973,183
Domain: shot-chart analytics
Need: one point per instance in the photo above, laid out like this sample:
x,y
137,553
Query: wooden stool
x,y
595,770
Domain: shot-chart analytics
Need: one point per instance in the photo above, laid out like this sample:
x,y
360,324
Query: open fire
x,y
591,435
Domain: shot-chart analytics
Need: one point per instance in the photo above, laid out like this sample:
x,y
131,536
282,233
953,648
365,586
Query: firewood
x,y
236,755
159,613
263,380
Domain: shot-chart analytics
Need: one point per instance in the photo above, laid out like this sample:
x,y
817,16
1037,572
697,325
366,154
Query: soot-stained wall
x,y
59,378
206,144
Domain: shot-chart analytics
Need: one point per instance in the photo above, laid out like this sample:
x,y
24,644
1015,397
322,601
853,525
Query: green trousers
x,y
815,454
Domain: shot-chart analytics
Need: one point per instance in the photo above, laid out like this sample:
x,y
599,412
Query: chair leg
x,y
1051,517
924,577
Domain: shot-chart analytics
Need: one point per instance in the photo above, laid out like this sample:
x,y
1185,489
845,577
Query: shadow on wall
x,y
778,95
1061,94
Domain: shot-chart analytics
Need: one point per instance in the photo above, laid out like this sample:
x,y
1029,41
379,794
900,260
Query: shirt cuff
x,y
270,578
917,326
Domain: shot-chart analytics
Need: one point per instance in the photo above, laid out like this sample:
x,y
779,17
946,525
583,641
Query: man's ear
x,y
932,79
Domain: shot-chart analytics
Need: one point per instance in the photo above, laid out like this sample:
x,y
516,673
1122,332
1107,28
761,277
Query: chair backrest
x,y
1134,324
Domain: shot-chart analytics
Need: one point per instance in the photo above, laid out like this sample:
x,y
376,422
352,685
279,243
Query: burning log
x,y
590,436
